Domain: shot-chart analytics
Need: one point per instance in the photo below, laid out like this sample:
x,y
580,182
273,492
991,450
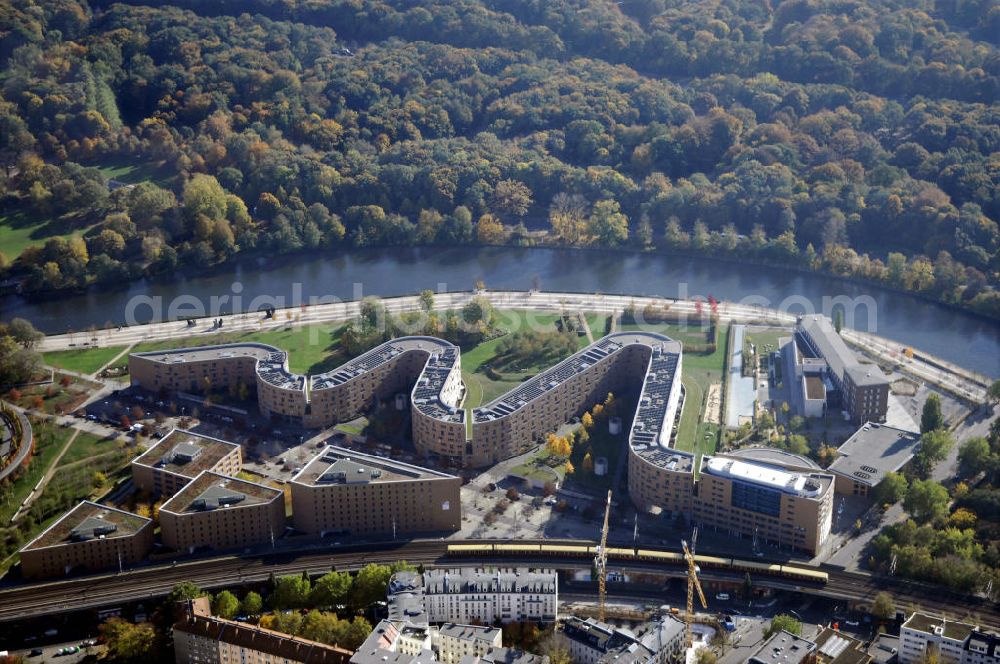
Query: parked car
x,y
722,597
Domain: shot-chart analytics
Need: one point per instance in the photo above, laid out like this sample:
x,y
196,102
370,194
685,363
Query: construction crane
x,y
693,585
601,562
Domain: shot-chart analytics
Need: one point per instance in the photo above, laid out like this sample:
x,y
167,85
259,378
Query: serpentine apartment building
x,y
742,497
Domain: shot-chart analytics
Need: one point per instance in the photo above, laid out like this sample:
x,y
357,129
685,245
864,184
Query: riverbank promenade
x,y
959,381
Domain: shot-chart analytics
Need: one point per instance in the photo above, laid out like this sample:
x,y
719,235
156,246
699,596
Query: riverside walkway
x,y
961,382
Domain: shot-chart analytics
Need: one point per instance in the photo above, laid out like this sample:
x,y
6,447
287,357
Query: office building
x,y
179,457
88,538
220,512
342,491
785,508
861,390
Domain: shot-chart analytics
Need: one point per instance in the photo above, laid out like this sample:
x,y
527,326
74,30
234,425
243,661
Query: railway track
x,y
146,583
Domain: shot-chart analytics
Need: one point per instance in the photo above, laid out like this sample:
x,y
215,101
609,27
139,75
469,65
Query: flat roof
x,y
210,491
839,648
186,453
469,632
873,451
841,359
774,456
783,648
88,521
928,624
808,485
338,465
577,363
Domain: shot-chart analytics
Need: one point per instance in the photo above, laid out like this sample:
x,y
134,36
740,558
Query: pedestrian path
x,y
49,472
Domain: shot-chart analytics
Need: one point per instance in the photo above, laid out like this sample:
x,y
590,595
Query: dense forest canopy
x,y
861,138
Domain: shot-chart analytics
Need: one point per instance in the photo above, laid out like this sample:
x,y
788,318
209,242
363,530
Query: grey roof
x,y
215,497
824,340
338,465
774,456
662,632
87,521
593,634
505,656
209,491
92,527
467,580
185,452
406,598
380,646
469,632
984,643
873,451
783,648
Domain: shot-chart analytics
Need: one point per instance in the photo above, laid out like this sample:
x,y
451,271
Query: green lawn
x,y
698,372
48,441
537,467
312,349
82,360
20,230
481,388
88,446
686,334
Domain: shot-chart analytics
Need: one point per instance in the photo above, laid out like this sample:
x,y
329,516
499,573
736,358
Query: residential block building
x,y
90,538
201,638
924,634
592,642
342,491
428,370
179,457
401,642
220,512
467,595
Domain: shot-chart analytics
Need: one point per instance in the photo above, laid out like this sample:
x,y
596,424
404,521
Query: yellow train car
x,y
469,549
713,562
569,550
667,557
515,549
803,574
755,567
620,553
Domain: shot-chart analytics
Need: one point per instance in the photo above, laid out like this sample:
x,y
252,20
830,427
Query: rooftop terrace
x,y
89,521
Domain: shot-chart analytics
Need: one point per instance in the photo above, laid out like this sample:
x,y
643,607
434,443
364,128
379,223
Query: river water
x,y
964,339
